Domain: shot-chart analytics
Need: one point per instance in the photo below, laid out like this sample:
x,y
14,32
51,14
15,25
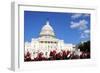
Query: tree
x,y
85,46
85,49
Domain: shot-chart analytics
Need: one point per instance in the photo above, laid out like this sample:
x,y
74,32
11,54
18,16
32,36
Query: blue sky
x,y
70,27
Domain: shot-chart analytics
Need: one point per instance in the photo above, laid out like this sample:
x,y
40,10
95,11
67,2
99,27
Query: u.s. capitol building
x,y
47,42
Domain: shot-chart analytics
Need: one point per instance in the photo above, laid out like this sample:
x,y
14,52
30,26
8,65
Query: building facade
x,y
47,42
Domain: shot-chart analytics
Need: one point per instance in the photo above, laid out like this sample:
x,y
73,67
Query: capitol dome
x,y
47,30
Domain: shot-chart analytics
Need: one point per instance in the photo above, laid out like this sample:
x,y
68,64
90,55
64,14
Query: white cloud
x,y
85,34
76,15
74,24
82,36
82,24
87,31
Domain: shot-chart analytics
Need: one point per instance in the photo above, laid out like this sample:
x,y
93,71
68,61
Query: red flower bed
x,y
27,56
40,57
62,55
